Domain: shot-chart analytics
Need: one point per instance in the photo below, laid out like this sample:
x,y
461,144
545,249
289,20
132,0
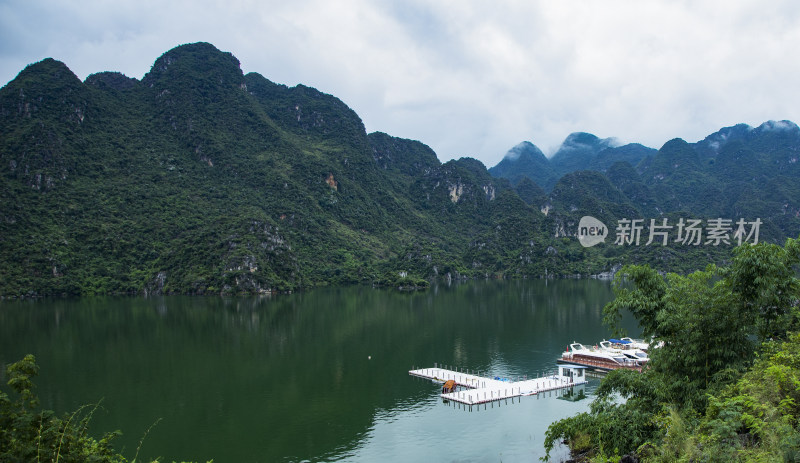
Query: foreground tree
x,y
28,435
709,325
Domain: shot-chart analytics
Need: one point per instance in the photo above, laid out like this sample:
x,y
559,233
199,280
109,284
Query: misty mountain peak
x,y
525,160
523,149
777,126
578,150
712,144
586,142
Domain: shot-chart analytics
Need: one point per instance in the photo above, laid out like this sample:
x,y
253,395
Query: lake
x,y
314,376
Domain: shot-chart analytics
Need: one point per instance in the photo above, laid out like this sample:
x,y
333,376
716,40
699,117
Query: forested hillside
x,y
722,384
199,179
737,172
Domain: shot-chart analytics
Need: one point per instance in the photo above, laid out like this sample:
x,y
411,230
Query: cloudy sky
x,y
468,78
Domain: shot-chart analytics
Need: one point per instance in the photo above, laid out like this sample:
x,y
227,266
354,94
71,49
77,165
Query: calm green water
x,y
317,376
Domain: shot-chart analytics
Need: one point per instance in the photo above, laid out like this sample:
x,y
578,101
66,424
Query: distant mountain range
x,y
737,171
579,151
200,179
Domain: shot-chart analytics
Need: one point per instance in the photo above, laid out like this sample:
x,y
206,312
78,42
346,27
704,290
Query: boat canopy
x,y
619,341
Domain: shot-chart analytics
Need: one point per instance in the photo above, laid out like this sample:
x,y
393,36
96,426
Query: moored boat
x,y
598,358
625,348
635,343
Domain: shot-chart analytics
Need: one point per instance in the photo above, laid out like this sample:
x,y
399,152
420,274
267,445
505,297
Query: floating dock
x,y
480,389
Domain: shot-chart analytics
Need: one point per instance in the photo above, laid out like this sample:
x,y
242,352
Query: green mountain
x,y
738,172
588,192
526,160
199,179
625,177
632,153
578,151
678,180
530,192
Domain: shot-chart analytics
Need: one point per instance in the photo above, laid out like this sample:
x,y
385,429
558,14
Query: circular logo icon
x,y
591,231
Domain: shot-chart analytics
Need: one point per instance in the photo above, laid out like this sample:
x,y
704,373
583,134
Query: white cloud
x,y
777,126
468,78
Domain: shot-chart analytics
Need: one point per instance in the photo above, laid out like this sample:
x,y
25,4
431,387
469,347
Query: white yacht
x,y
636,343
597,357
626,348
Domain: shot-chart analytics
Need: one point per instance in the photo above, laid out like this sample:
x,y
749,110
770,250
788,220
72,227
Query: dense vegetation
x,y
28,434
200,179
725,384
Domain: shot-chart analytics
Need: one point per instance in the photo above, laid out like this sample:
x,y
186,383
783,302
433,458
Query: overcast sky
x,y
468,78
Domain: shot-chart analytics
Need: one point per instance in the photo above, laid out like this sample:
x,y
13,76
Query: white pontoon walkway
x,y
481,389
